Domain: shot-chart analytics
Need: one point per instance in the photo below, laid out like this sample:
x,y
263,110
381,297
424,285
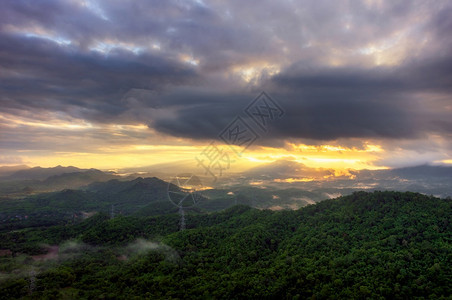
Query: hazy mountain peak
x,y
286,168
39,173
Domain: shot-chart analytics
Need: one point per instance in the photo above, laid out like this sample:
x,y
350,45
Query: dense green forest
x,y
365,245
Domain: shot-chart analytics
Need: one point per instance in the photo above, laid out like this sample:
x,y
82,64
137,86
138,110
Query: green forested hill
x,y
366,245
141,196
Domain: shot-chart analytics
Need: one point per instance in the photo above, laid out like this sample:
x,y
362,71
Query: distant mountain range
x,y
282,169
422,172
36,173
64,191
23,182
8,170
284,174
291,169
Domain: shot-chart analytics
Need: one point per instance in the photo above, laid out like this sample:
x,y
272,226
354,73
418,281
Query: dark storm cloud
x,y
332,103
53,77
171,64
325,119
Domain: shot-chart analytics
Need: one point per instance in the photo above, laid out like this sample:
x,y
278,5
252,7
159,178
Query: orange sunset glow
x,y
225,149
349,99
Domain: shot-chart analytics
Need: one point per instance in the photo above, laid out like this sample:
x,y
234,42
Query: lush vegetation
x,y
366,245
142,196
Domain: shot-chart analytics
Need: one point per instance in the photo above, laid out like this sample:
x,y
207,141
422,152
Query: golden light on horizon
x,y
124,156
127,154
136,145
292,180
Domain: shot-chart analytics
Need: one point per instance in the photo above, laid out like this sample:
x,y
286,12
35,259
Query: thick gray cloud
x,y
332,103
40,74
345,69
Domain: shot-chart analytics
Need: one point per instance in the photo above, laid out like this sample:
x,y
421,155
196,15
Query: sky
x,y
113,84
